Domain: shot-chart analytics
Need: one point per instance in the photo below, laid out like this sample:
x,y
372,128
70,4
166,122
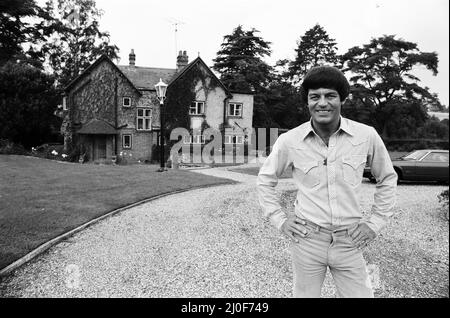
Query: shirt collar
x,y
344,126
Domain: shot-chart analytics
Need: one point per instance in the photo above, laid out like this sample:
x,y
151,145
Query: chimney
x,y
132,58
182,60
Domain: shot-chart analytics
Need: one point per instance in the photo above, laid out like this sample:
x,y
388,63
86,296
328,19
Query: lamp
x,y
161,89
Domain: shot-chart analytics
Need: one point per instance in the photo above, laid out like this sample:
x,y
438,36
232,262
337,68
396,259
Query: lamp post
x,y
161,89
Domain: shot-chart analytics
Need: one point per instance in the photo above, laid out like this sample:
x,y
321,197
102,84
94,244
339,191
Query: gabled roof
x,y
147,77
92,67
97,127
190,66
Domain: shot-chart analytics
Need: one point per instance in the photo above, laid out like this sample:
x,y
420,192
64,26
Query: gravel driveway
x,y
210,242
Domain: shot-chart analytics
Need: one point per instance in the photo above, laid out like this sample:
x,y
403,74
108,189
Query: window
x,y
144,119
230,139
187,139
436,157
198,139
64,103
126,141
235,109
197,108
126,101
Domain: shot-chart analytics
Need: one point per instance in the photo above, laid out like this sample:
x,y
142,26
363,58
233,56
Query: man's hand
x,y
294,225
362,235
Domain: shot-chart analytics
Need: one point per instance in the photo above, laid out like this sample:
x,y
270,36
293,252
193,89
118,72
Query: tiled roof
x,y
97,127
146,77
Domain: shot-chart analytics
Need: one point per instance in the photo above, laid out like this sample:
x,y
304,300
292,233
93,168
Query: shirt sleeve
x,y
275,164
385,192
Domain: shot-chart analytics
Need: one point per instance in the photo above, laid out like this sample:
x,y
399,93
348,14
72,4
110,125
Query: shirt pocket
x,y
353,168
308,172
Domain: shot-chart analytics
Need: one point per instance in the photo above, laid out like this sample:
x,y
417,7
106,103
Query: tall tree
x,y
28,99
382,78
314,48
241,67
240,60
75,40
17,33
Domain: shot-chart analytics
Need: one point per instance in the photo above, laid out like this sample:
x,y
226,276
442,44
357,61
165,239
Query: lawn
x,y
41,199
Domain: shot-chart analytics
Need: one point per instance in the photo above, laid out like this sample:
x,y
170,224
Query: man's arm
x,y
385,193
276,163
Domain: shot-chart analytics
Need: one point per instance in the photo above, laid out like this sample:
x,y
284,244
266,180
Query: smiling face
x,y
324,105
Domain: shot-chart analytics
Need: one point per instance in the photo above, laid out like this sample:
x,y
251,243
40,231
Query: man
x,y
327,156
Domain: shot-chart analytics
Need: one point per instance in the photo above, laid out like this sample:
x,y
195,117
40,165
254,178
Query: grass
x,y
41,199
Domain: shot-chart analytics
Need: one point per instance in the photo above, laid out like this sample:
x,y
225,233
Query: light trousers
x,y
322,249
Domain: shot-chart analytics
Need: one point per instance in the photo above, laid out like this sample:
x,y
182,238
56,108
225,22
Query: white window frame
x,y
237,112
187,139
123,141
233,139
198,139
123,101
228,139
241,138
194,108
144,117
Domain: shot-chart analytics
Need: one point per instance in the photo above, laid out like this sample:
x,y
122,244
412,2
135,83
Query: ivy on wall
x,y
181,94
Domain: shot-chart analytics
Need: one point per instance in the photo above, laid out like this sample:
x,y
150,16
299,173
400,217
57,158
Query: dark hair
x,y
325,77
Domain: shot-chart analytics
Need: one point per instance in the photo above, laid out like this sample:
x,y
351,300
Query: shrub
x,y
9,148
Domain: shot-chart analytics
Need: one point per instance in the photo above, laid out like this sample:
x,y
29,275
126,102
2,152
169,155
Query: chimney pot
x,y
182,60
132,58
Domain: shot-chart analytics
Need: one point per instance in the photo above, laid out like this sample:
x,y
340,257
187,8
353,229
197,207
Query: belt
x,y
319,228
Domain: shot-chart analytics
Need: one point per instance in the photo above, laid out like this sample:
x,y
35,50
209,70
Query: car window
x,y
436,157
415,155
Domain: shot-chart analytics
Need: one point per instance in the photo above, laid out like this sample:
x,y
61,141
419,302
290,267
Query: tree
x,y
314,48
74,39
239,61
28,99
16,33
241,67
381,77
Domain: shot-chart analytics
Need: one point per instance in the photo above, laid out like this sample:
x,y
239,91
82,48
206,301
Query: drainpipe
x,y
116,115
224,119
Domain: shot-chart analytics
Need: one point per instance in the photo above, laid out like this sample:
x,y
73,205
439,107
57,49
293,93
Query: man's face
x,y
324,105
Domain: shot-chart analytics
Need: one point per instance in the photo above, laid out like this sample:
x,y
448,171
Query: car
x,y
419,165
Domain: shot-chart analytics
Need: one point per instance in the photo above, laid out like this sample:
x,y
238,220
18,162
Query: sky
x,y
148,27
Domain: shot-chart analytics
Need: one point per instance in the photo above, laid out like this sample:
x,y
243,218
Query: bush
x,y
9,148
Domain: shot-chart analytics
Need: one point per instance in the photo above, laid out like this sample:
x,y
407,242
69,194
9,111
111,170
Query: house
x,y
112,110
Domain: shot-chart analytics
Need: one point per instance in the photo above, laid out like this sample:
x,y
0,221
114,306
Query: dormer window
x,y
235,109
197,108
126,101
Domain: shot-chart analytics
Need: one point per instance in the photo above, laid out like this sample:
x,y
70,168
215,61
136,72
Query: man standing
x,y
327,156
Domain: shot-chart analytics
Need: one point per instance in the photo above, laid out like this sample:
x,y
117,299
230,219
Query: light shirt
x,y
329,178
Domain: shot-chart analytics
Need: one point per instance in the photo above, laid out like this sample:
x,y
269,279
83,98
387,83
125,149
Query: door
x,y
433,167
99,147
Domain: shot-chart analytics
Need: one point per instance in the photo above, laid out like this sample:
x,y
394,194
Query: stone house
x,y
112,110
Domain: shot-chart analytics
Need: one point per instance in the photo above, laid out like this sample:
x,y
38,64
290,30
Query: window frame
x,y
123,141
144,117
234,108
123,101
195,105
195,139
